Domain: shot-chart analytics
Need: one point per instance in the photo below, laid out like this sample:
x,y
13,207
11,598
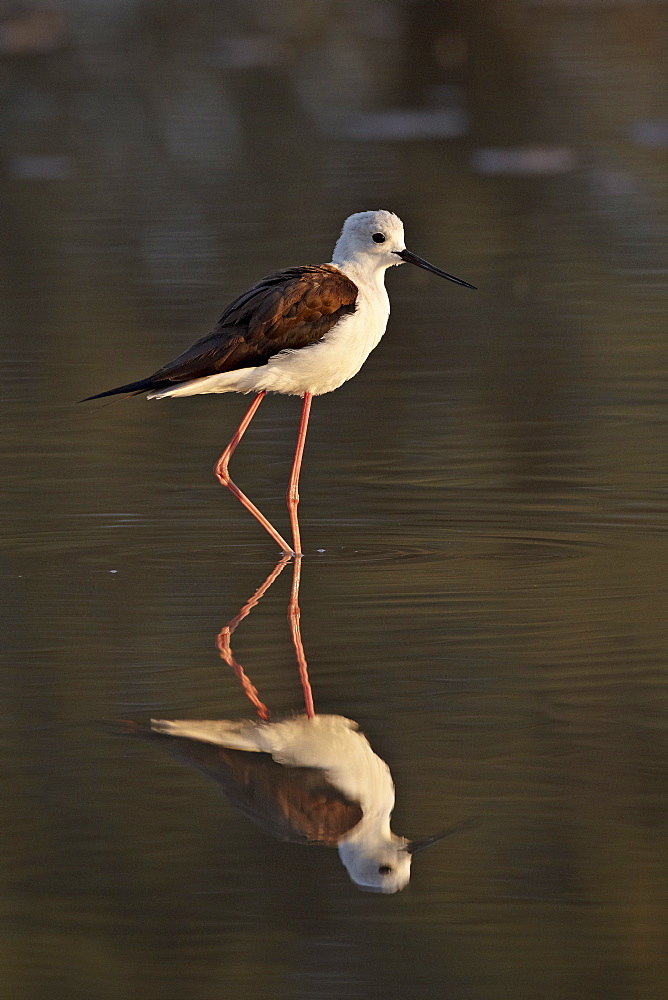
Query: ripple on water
x,y
497,546
158,540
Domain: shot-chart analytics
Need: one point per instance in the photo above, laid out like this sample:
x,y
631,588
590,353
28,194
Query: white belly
x,y
317,369
330,743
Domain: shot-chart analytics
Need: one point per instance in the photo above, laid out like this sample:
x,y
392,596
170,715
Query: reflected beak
x,y
412,258
419,845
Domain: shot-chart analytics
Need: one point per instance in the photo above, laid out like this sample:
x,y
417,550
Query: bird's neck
x,y
363,271
368,841
373,830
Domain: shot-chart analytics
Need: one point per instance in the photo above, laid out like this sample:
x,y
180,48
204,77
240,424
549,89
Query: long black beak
x,y
412,258
419,845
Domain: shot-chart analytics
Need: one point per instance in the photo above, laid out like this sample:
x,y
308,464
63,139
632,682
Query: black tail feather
x,y
131,389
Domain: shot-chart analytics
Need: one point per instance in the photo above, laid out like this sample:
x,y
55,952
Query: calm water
x,y
484,508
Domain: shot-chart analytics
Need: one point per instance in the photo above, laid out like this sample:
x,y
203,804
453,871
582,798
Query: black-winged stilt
x,y
310,779
302,332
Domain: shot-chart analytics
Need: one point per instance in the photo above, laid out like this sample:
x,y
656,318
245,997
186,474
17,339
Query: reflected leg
x,y
221,471
293,485
295,631
224,637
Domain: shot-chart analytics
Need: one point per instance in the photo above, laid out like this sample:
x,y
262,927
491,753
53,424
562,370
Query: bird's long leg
x,y
295,632
221,471
224,638
293,485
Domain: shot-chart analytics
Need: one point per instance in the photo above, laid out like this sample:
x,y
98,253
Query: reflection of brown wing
x,y
292,803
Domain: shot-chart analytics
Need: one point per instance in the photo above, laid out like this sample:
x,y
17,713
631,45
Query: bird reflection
x,y
309,779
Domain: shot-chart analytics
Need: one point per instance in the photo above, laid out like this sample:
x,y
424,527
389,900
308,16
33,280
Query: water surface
x,y
484,507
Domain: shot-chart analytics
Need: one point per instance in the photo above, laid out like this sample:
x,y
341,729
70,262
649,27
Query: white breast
x,y
336,358
335,745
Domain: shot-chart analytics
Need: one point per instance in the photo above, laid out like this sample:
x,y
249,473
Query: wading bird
x,y
303,331
309,779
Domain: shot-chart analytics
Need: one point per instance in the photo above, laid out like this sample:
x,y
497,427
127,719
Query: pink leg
x,y
293,618
220,470
224,638
293,486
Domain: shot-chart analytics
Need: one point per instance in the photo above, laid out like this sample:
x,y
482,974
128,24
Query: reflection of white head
x,y
383,866
372,237
382,863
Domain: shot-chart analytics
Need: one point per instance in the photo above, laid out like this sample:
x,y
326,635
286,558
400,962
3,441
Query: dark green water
x,y
484,508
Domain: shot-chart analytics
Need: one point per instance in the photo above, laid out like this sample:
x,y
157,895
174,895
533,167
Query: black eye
x,y
378,238
385,869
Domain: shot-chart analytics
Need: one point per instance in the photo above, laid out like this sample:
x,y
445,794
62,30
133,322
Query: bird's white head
x,y
381,862
378,866
372,239
370,242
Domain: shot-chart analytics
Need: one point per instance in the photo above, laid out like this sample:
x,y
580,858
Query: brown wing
x,y
297,804
291,309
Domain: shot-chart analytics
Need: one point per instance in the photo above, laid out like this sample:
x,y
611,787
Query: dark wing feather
x,y
297,804
290,309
